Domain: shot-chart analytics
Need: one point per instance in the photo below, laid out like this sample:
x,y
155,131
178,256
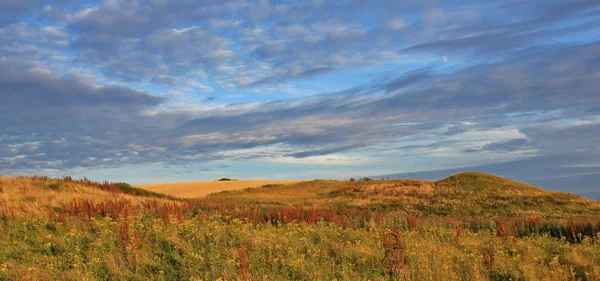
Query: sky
x,y
163,91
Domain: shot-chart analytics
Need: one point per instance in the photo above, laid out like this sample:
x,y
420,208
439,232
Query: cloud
x,y
38,87
77,122
509,145
65,121
11,10
324,151
273,42
131,82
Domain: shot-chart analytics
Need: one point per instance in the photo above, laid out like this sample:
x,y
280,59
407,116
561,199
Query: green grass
x,y
470,226
463,195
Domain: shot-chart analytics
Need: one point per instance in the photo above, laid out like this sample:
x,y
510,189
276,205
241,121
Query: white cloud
x,y
330,159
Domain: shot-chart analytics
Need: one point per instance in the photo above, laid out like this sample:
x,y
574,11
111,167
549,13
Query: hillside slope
x,y
473,183
468,194
35,196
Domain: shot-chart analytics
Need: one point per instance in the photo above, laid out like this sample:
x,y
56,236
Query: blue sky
x,y
160,91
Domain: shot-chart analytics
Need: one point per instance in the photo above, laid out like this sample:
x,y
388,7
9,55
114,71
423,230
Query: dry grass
x,y
202,189
63,229
27,197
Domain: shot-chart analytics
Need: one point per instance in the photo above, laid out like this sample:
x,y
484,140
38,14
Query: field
x,y
202,189
470,226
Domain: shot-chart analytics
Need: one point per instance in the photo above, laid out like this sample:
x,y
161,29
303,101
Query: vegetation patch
x,y
318,230
226,179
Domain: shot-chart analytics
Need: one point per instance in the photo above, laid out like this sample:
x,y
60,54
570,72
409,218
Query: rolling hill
x,y
469,226
467,194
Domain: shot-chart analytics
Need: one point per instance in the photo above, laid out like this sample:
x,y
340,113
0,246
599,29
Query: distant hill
x,y
482,184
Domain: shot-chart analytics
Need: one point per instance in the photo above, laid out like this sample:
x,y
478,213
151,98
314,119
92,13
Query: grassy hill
x,y
470,226
468,194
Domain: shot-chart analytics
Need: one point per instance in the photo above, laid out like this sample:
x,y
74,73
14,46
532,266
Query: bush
x,y
127,188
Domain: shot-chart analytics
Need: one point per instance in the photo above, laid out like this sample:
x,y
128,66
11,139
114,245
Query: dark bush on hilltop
x,y
226,179
127,188
360,179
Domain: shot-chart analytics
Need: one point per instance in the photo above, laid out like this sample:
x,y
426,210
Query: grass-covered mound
x,y
463,195
482,184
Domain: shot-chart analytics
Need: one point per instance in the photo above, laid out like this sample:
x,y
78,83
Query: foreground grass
x,y
209,249
81,232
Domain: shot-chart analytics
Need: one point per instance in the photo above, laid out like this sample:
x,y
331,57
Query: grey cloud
x,y
115,130
10,10
298,40
324,151
64,122
408,79
289,76
509,145
126,18
565,139
142,40
40,87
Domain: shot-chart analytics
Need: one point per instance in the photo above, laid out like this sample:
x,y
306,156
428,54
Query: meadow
x,y
470,226
202,189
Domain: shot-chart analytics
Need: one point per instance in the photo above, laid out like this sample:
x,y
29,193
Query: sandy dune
x,y
202,189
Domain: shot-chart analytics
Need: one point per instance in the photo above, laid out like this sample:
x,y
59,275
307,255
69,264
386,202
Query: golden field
x,y
204,188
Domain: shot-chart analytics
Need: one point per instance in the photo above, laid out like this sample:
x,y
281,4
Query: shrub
x,y
226,179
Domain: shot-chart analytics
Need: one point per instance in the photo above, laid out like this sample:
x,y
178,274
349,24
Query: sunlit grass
x,y
202,189
318,230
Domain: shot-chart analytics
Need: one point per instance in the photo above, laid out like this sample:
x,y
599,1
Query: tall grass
x,y
116,235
